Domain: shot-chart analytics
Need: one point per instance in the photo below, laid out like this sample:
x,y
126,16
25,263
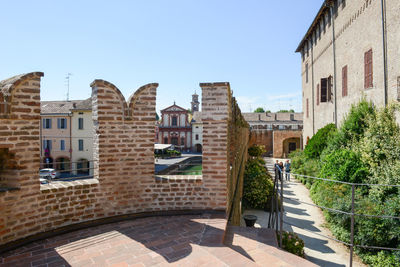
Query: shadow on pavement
x,y
297,211
324,263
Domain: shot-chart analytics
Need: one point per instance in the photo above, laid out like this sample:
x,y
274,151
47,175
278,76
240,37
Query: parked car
x,y
48,173
43,181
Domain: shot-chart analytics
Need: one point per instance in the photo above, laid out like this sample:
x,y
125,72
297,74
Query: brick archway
x,y
282,140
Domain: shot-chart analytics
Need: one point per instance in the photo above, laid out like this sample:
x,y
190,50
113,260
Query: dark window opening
x,y
61,123
324,90
174,141
80,144
368,77
80,123
165,140
307,73
174,121
47,123
344,81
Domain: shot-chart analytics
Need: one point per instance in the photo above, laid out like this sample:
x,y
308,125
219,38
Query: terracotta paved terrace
x,y
188,240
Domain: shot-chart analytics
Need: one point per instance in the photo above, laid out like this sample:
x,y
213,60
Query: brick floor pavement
x,y
191,240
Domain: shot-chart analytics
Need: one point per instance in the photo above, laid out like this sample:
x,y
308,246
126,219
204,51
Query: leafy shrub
x,y
300,164
256,150
382,259
380,149
365,149
292,243
258,184
343,165
319,141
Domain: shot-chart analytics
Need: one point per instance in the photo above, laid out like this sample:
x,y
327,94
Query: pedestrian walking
x,y
287,170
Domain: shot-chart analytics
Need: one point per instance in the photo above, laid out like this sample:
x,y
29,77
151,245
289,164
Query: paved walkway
x,y
190,240
320,250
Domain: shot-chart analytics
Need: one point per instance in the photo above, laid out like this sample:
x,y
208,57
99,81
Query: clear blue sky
x,y
177,43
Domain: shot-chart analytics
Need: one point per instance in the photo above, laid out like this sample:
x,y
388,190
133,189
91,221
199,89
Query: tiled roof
x,y
56,107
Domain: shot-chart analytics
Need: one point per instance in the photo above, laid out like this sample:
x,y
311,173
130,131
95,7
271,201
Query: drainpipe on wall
x,y
384,44
312,80
330,4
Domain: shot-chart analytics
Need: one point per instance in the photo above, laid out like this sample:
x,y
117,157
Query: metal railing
x,y
277,211
177,166
68,170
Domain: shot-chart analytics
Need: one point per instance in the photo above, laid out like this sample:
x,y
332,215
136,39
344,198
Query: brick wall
x,y
124,161
262,137
280,146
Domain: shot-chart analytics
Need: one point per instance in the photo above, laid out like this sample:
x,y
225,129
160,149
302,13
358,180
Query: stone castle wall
x,y
124,181
358,28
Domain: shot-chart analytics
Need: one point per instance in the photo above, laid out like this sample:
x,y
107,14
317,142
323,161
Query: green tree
x,y
286,111
259,110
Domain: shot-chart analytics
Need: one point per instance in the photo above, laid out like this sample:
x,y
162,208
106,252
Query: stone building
x,y
197,132
55,134
82,137
66,136
175,128
350,51
280,133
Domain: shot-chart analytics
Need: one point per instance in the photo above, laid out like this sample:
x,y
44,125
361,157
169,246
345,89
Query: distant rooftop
x,y
64,107
273,117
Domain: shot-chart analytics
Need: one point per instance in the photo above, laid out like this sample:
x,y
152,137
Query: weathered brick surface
x,y
124,181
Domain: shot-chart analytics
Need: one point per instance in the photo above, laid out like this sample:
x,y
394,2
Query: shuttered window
x,y
368,69
344,81
324,90
307,73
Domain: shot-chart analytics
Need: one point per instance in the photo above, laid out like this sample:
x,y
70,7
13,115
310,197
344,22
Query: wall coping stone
x,y
67,184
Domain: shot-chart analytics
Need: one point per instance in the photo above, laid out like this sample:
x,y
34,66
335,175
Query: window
x,y
197,137
398,88
326,92
47,145
307,108
61,123
46,123
307,73
329,18
307,48
174,121
368,69
80,123
317,94
182,141
344,81
282,127
80,144
62,145
165,140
